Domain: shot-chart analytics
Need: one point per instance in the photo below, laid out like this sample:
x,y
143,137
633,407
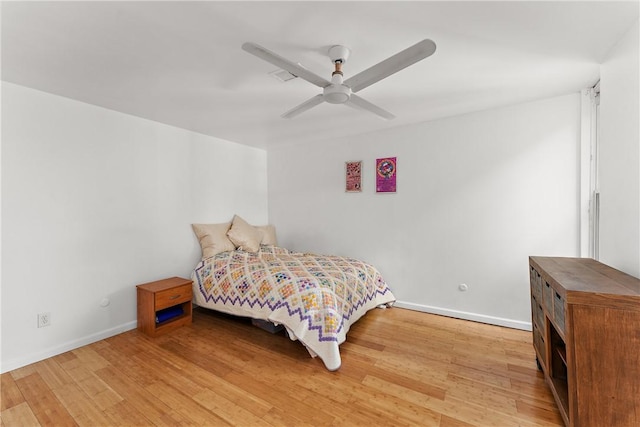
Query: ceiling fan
x,y
338,90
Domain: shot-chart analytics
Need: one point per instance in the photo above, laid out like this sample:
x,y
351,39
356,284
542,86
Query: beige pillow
x,y
213,238
244,235
268,235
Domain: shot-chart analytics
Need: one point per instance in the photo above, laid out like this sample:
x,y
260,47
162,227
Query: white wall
x,y
619,160
95,202
477,194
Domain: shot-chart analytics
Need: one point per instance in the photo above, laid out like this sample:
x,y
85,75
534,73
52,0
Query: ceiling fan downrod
x,y
337,92
338,69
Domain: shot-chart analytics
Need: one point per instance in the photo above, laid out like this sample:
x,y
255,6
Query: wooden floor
x,y
399,368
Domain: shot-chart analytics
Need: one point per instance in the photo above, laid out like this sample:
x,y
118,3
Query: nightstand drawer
x,y
173,296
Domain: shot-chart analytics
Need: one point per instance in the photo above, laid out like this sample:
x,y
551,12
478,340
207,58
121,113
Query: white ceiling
x,y
181,63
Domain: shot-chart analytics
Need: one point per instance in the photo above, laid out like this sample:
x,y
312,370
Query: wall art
x,y
386,171
353,177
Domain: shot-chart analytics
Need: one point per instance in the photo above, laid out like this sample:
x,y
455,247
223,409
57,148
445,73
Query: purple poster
x,y
386,169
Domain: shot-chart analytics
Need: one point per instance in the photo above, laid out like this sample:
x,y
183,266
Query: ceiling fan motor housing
x,y
336,92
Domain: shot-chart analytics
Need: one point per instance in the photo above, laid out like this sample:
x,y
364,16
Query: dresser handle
x,y
175,296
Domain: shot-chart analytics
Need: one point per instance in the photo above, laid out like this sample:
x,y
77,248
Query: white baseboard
x,y
72,345
10,365
498,321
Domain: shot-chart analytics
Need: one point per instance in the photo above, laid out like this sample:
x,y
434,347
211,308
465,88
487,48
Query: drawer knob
x,y
175,296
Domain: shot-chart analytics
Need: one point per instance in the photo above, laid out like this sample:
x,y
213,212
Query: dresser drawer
x,y
539,315
173,296
547,297
538,342
536,285
558,310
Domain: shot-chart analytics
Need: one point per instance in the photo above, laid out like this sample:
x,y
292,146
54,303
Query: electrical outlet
x,y
44,319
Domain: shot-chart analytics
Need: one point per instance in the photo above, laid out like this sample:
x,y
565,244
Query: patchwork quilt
x,y
317,298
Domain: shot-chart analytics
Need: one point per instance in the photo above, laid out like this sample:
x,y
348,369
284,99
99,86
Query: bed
x,y
315,297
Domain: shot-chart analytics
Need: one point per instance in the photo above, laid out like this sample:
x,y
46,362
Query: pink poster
x,y
386,169
354,177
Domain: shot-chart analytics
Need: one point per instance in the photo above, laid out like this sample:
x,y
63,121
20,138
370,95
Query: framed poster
x,y
353,173
386,171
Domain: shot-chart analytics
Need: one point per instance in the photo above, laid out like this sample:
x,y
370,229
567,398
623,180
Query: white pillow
x,y
244,235
268,235
213,238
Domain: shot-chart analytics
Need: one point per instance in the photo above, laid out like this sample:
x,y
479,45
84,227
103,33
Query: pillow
x,y
244,235
213,238
268,235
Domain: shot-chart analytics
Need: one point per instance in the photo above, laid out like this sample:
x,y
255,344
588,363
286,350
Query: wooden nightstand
x,y
173,293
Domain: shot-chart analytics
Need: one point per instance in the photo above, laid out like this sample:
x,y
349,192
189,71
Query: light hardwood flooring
x,y
399,368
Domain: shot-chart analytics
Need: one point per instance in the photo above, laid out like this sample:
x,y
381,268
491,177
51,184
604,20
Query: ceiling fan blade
x,y
308,104
285,64
358,101
391,65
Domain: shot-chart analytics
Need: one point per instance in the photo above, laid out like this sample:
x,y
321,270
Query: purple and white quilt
x,y
317,298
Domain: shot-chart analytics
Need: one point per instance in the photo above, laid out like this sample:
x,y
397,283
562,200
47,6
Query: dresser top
x,y
587,275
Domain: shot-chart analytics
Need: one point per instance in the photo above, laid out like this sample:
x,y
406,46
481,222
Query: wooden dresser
x,y
586,334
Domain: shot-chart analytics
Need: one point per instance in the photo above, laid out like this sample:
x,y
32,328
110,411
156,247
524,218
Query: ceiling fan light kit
x,y
338,90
